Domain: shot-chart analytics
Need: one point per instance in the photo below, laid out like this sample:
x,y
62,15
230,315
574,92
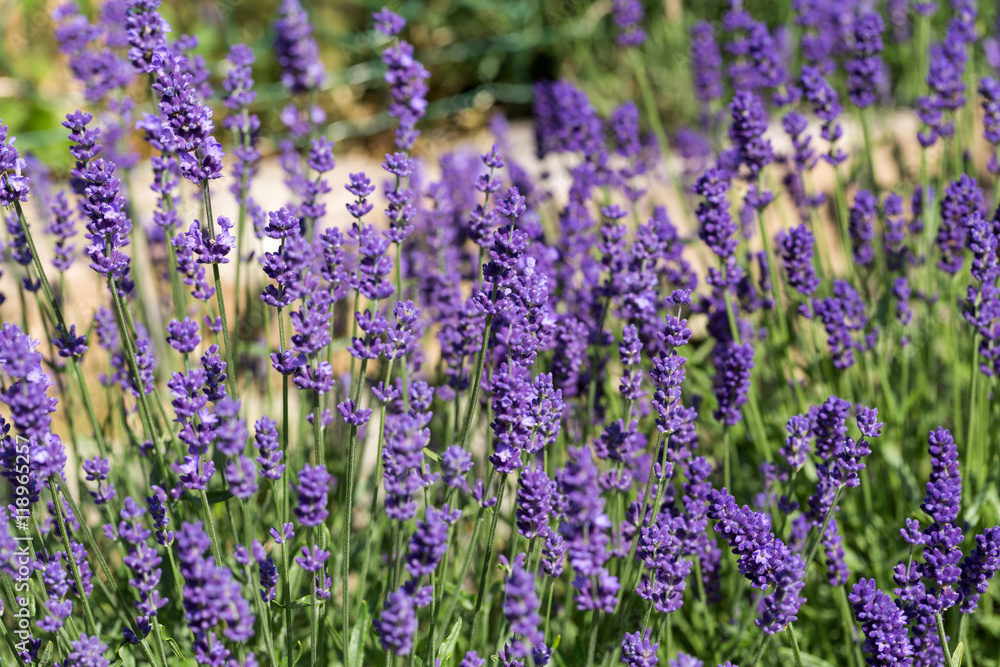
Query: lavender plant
x,y
513,417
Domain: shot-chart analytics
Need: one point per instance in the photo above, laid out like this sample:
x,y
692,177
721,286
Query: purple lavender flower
x,y
897,253
406,435
782,604
406,78
183,335
826,105
861,224
864,69
886,641
962,198
638,651
87,652
944,488
211,594
266,440
708,73
13,184
717,228
761,555
989,90
298,56
978,568
97,470
398,623
731,383
628,16
797,447
63,227
534,502
147,35
749,122
429,541
314,483
388,22
945,80
796,250
844,318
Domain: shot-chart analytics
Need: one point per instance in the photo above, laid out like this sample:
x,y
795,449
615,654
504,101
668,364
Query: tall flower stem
x,y
470,411
145,414
125,611
869,148
944,640
752,411
794,643
74,567
595,618
61,321
473,541
348,502
487,560
230,359
207,508
764,642
373,507
314,614
241,216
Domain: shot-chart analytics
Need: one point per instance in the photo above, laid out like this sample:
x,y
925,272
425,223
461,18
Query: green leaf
x,y
175,648
46,660
356,642
432,455
956,657
447,647
302,651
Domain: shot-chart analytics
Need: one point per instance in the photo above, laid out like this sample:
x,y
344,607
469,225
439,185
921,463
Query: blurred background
x,y
483,55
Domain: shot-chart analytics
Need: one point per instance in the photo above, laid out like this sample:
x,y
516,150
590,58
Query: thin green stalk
x,y
869,149
464,569
145,414
230,359
847,620
61,321
241,217
470,412
314,615
595,617
125,610
790,633
74,567
727,453
289,639
764,642
487,560
211,527
348,502
963,636
944,640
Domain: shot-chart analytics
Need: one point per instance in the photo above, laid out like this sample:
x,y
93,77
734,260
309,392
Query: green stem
x,y
765,640
230,360
794,642
944,640
211,527
470,412
74,567
487,560
61,321
595,617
